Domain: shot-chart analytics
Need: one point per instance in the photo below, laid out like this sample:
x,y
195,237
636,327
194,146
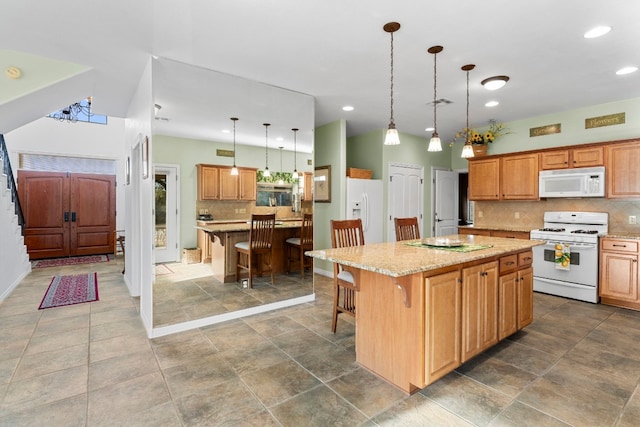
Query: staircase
x,y
14,260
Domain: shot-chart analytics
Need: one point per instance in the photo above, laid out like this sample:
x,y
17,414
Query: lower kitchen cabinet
x,y
479,308
619,272
443,332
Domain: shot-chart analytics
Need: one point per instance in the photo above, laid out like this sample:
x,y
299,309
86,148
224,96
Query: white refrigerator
x,y
364,201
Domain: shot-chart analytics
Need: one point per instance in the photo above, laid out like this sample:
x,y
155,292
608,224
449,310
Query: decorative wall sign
x,y
608,120
545,130
224,153
322,184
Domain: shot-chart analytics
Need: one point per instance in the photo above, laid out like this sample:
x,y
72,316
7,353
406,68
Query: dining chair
x,y
297,246
344,233
407,228
257,252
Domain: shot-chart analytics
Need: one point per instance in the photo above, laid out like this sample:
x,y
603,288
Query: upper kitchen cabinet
x,y
622,171
217,183
484,179
208,182
581,157
512,177
519,177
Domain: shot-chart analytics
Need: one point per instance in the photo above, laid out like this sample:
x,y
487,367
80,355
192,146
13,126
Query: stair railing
x,y
11,182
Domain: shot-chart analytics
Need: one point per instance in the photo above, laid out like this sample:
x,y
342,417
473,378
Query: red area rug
x,y
58,262
68,290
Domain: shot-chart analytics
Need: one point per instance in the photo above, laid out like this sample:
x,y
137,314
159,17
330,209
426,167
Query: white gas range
x,y
574,234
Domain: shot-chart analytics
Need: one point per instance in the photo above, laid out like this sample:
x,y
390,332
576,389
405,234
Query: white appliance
x,y
364,201
578,182
580,231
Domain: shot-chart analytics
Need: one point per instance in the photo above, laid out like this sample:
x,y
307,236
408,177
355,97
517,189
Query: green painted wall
x,y
330,149
573,130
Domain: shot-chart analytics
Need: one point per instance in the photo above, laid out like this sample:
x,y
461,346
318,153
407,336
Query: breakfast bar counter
x,y
424,307
217,241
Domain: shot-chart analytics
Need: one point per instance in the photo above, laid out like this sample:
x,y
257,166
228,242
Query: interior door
x,y
445,215
45,204
406,186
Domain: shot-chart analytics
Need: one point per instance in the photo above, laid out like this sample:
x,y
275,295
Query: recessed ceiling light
x,y
495,82
428,129
279,138
626,70
347,108
491,104
597,32
226,131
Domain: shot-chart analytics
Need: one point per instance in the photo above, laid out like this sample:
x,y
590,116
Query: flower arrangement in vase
x,y
481,140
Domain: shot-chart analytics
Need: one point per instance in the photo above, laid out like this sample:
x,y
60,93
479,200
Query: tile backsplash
x,y
222,210
531,213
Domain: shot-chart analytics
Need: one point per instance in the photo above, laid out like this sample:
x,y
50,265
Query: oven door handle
x,y
573,245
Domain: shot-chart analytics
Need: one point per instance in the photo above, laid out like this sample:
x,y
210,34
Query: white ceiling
x,y
337,52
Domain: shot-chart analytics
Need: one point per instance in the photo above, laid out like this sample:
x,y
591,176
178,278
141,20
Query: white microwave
x,y
578,182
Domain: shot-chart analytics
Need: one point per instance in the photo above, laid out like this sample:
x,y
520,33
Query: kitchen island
x,y
217,240
421,311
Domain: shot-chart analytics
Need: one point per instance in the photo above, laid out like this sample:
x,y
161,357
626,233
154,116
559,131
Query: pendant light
x,y
467,150
234,169
392,137
266,149
280,181
295,160
434,142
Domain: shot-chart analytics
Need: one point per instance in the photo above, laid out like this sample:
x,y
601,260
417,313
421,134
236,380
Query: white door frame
x,y
172,251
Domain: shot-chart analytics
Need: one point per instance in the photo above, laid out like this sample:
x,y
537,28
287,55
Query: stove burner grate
x,y
585,231
554,230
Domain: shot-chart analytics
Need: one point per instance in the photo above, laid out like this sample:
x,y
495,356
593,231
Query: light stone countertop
x,y
242,226
396,259
622,235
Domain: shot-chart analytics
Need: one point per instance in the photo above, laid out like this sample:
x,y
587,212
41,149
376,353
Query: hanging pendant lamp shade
x,y
295,160
467,150
434,142
234,169
280,181
392,137
266,149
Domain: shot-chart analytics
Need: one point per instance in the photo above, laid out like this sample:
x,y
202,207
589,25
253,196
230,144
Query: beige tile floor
x,y
92,365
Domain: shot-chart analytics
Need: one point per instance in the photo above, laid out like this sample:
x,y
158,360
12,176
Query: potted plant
x,y
481,140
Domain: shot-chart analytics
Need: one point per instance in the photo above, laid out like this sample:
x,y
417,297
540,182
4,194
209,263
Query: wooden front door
x,y
67,214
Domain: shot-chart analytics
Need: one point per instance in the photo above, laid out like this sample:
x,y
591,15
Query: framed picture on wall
x,y
145,158
322,184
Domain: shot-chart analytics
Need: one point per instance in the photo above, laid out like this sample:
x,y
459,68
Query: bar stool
x,y
297,246
257,252
343,234
407,228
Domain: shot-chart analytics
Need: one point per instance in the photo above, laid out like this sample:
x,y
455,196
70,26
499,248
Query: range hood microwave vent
x,y
578,182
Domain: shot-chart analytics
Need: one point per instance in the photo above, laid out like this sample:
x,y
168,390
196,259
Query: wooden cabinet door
x,y
248,184
507,308
208,182
92,206
623,173
554,159
228,185
484,179
525,297
519,177
45,203
587,157
619,276
442,341
479,308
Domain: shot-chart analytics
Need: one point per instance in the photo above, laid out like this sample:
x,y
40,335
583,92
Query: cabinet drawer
x,y
525,259
619,245
508,263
